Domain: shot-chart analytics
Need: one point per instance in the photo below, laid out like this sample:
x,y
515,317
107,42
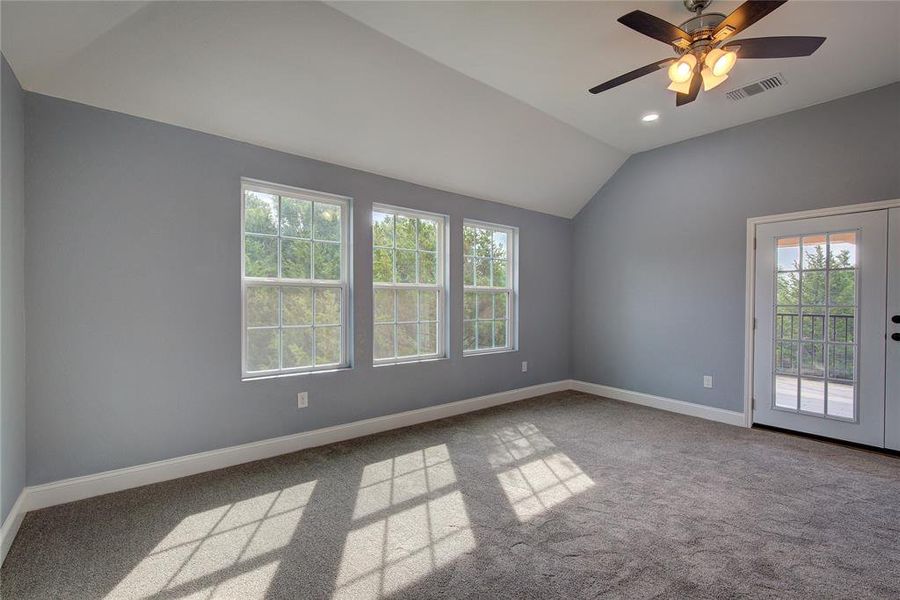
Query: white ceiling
x,y
486,99
549,53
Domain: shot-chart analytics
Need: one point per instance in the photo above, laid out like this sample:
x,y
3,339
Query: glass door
x,y
819,343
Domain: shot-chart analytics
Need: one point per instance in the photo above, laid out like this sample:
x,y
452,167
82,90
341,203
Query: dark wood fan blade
x,y
631,75
746,15
653,27
682,99
776,47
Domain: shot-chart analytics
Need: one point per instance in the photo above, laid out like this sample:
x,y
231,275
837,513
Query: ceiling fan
x,y
703,47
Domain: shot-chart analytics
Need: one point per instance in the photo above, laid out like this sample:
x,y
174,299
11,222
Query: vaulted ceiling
x,y
486,99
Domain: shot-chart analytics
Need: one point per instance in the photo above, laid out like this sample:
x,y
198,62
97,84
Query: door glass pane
x,y
786,391
812,359
787,322
812,287
842,288
842,250
841,324
840,399
788,254
786,358
841,363
813,323
812,396
788,288
814,250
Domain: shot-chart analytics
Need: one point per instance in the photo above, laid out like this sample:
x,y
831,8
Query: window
x,y
293,280
408,266
489,278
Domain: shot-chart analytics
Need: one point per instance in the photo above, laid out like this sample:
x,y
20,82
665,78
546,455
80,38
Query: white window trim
x,y
440,286
512,329
343,283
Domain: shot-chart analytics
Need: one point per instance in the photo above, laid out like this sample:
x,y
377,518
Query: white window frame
x,y
344,282
511,289
440,286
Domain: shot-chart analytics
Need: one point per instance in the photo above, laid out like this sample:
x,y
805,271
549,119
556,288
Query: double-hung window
x,y
408,267
294,280
489,297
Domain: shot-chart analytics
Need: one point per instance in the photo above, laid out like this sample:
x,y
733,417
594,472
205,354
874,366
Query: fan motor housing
x,y
696,5
702,25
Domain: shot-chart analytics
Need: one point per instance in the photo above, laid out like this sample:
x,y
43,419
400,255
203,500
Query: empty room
x,y
490,299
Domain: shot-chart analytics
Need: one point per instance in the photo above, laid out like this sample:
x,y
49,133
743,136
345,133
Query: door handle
x,y
895,319
895,337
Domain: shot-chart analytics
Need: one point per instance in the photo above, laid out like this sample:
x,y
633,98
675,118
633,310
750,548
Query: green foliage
x,y
485,324
486,261
297,306
308,236
296,217
260,256
261,213
295,259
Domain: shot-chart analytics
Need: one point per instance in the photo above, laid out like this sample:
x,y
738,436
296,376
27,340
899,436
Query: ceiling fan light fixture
x,y
682,70
710,80
683,87
720,62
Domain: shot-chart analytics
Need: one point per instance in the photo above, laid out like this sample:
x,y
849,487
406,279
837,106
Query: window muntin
x,y
408,266
294,280
489,265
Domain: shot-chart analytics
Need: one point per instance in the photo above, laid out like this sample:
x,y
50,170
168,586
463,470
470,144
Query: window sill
x,y
251,378
489,352
414,361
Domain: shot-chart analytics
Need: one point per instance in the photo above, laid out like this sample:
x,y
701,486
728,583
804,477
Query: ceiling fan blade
x,y
744,16
631,75
776,47
682,99
654,27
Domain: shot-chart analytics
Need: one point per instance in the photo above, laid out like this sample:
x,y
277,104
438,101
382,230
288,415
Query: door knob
x,y
895,337
895,319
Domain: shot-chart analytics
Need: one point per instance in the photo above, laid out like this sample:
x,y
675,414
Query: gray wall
x,y
134,303
658,296
12,290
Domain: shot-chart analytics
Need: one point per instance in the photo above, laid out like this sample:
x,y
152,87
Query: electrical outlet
x,y
707,381
302,400
524,366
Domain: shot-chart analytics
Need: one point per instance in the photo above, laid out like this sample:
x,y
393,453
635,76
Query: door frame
x,y
750,281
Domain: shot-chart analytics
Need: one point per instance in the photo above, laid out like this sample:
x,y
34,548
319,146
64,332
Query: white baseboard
x,y
87,486
11,524
677,406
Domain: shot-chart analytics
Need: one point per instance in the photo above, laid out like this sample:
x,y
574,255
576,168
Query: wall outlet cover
x,y
302,400
707,381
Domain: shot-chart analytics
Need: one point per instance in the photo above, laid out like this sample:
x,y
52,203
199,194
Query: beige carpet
x,y
561,496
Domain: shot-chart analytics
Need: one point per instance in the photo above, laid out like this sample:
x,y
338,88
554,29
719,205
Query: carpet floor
x,y
560,496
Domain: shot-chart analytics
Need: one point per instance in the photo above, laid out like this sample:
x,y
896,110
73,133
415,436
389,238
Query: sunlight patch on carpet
x,y
227,547
539,476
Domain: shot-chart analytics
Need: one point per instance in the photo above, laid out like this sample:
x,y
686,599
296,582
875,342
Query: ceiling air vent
x,y
757,87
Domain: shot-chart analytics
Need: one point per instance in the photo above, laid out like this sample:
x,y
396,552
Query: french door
x,y
826,360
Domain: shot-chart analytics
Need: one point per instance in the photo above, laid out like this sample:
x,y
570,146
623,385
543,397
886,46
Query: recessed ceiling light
x,y
650,117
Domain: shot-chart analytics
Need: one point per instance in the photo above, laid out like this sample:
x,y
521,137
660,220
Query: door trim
x,y
750,279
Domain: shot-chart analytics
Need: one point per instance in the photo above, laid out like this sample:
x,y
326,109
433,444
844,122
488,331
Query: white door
x,y
892,397
821,323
